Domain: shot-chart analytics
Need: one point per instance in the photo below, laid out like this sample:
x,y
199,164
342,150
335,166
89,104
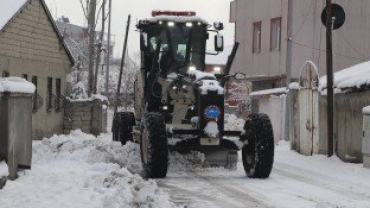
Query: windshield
x,y
181,46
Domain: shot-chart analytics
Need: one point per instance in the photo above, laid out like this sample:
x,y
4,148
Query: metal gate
x,y
309,109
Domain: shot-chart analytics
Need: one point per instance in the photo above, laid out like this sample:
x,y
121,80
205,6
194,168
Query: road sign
x,y
338,13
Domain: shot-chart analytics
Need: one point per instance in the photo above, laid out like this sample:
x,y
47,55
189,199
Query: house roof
x,y
8,9
11,8
353,78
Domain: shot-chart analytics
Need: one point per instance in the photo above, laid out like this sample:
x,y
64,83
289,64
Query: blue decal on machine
x,y
212,112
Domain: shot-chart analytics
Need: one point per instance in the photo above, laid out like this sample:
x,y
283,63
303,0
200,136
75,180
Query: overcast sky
x,y
211,10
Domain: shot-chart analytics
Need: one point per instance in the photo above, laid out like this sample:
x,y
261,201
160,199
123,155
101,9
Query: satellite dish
x,y
338,13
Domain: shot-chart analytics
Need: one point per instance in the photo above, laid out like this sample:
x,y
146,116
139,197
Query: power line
x,y
304,20
338,54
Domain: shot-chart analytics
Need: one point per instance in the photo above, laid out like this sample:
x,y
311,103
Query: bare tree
x,y
91,29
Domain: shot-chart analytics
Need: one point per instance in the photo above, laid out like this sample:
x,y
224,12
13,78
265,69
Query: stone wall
x,y
89,115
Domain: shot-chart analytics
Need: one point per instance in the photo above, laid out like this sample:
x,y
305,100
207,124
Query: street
x,y
296,181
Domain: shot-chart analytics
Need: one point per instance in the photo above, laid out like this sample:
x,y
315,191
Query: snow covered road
x,y
296,181
82,171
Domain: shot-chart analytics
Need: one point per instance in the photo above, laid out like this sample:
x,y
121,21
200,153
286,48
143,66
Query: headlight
x,y
171,24
212,112
189,24
217,70
191,69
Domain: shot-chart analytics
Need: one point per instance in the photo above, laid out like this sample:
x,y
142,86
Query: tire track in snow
x,y
325,185
210,192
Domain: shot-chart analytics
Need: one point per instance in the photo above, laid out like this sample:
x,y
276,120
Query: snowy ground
x,y
296,181
79,170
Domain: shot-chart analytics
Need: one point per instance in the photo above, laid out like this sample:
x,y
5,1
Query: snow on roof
x,y
181,19
273,91
221,58
8,8
353,77
16,85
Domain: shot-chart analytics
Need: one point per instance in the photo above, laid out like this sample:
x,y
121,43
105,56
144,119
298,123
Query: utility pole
x,y
329,63
91,22
122,65
289,63
100,45
108,49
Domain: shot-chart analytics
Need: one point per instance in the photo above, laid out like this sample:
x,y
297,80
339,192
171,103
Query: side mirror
x,y
239,76
218,25
219,43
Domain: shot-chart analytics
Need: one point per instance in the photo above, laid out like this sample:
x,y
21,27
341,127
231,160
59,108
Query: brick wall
x,y
89,116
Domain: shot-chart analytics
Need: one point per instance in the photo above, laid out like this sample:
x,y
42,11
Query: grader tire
x,y
258,154
153,146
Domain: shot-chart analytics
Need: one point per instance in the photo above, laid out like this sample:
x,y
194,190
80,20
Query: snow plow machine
x,y
180,107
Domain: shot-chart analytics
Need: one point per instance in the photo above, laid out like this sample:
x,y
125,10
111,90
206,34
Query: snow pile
x,y
233,123
16,85
356,76
212,129
78,92
294,86
185,162
8,9
80,170
3,169
274,91
366,110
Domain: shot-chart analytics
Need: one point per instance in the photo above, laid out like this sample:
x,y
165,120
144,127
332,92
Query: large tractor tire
x,y
153,146
258,153
123,127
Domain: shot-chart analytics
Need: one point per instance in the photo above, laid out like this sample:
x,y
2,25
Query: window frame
x,y
274,34
256,44
58,88
34,81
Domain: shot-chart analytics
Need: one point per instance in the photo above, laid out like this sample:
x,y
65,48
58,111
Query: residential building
x,y
31,47
261,29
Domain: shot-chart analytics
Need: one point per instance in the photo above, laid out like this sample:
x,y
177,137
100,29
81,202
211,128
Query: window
x,y
25,76
257,37
58,88
34,97
275,43
6,74
50,93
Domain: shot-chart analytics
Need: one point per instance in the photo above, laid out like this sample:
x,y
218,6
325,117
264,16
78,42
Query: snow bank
x,y
8,9
79,170
16,85
353,77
